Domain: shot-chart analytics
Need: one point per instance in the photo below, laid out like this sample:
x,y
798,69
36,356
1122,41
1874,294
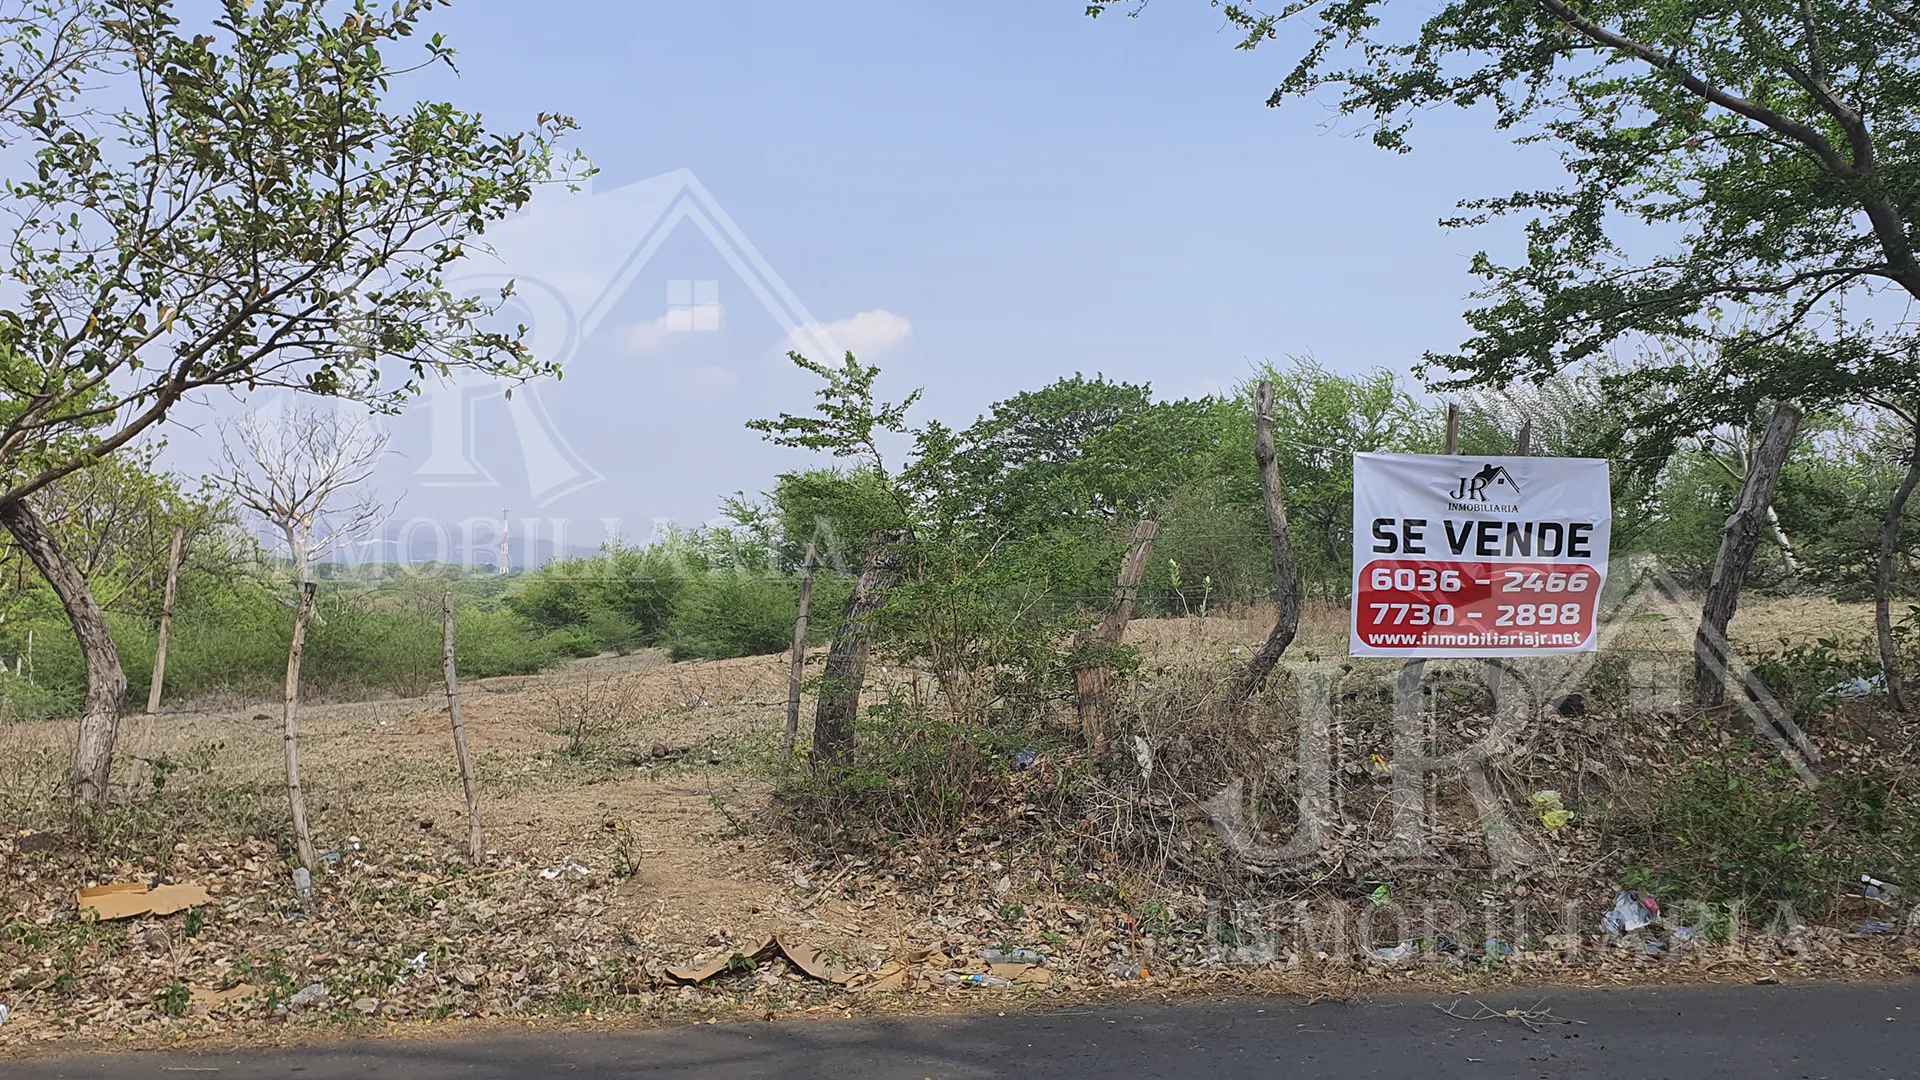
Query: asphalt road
x,y
1838,1031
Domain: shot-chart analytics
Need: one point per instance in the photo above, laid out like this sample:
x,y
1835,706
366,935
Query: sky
x,y
979,198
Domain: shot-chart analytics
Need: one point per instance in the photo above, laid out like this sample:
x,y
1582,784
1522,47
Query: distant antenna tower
x,y
506,560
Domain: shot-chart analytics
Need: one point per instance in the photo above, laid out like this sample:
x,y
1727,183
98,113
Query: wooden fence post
x,y
1093,682
1286,569
296,797
143,736
1411,724
799,669
476,840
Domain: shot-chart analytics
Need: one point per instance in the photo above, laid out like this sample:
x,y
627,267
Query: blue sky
x,y
1001,192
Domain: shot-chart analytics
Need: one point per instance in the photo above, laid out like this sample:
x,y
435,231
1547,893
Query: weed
x,y
591,722
1802,675
173,1000
916,774
1734,827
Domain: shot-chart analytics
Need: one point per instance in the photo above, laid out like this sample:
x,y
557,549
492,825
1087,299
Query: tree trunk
x,y
799,668
296,798
476,840
846,669
1286,571
143,736
1093,681
106,683
1883,578
1738,542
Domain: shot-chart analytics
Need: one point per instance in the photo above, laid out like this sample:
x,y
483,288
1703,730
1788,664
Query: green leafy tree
x,y
1740,179
232,204
1767,146
1321,419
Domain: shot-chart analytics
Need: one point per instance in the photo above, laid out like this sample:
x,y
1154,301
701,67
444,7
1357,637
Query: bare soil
x,y
631,827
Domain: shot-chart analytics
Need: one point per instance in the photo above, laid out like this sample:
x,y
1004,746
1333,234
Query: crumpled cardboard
x,y
129,899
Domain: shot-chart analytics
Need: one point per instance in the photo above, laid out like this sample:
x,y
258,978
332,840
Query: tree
x,y
1320,419
1739,539
1286,569
848,423
1891,549
1768,139
235,206
1734,449
1741,176
302,473
297,472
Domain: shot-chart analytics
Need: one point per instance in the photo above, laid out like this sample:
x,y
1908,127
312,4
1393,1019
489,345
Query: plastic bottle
x,y
1012,956
955,978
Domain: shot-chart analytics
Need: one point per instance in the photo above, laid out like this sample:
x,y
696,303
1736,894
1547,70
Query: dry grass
x,y
663,794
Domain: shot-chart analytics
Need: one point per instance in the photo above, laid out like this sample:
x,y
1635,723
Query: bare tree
x,y
237,202
303,473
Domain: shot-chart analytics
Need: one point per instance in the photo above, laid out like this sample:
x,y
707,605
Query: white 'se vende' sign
x,y
1477,556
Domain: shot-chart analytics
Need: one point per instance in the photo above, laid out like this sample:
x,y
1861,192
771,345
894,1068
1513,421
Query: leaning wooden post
x,y
143,736
1093,681
296,798
799,669
476,841
1286,569
1712,655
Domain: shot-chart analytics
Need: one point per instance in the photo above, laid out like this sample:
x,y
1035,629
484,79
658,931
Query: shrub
x,y
1802,676
922,775
733,613
492,643
1733,827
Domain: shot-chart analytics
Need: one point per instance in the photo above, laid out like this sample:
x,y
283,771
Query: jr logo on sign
x,y
1475,487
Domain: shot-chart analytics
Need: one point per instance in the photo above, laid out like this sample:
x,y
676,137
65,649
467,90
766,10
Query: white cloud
x,y
648,336
864,334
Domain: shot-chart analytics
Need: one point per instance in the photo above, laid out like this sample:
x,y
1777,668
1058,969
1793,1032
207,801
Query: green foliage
x,y
915,774
1736,178
1802,675
173,1000
1075,450
847,420
230,199
837,511
1737,826
231,632
733,613
1321,419
622,598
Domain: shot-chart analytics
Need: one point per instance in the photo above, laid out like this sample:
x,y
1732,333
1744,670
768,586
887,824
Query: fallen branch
x,y
1532,1019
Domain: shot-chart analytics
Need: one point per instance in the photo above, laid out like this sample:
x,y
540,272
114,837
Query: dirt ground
x,y
627,807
